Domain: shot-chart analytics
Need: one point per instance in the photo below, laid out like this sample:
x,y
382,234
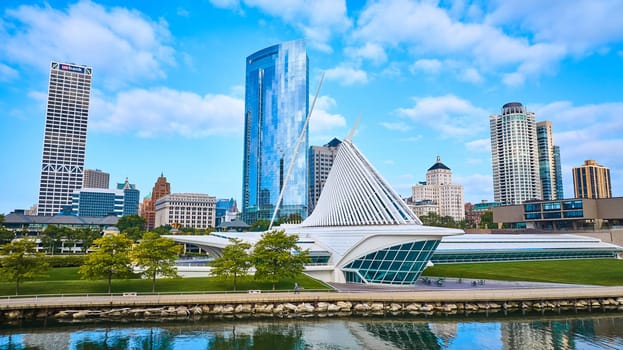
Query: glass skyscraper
x,y
276,105
65,136
549,162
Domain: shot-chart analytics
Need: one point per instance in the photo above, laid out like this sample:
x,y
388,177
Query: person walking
x,y
296,288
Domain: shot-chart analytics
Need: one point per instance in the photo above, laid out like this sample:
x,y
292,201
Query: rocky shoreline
x,y
309,309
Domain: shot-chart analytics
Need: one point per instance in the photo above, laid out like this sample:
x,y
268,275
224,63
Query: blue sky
x,y
168,81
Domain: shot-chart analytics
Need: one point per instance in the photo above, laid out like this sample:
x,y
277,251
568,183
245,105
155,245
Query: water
x,y
574,331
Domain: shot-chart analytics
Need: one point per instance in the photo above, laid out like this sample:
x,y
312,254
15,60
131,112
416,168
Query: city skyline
x,y
168,85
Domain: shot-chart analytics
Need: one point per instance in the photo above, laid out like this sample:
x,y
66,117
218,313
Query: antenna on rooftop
x,y
296,151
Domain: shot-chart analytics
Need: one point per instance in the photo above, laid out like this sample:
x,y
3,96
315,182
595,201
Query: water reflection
x,y
584,332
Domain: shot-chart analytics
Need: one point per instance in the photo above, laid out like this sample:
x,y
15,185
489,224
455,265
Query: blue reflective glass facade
x,y
276,105
399,265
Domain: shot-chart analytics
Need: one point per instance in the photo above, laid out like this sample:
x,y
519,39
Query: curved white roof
x,y
355,194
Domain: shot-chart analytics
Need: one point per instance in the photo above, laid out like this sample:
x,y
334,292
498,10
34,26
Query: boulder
x,y
227,310
289,307
17,314
322,306
243,309
80,315
361,307
333,308
344,305
393,307
376,307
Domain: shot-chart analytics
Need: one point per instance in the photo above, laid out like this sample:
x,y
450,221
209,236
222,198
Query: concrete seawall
x,y
311,303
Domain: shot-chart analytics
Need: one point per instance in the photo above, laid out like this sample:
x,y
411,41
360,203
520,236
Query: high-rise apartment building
x,y
320,162
549,162
514,155
120,201
193,210
559,190
95,179
276,105
65,136
439,190
148,208
591,180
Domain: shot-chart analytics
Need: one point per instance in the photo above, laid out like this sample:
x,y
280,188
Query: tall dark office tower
x,y
65,136
320,162
276,105
514,155
549,162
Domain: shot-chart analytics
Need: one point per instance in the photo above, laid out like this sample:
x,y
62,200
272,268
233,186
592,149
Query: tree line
x,y
275,256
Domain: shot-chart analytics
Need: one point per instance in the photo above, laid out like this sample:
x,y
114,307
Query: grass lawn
x,y
605,272
65,280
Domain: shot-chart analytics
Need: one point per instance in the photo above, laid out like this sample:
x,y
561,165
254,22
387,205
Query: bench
x,y
255,291
129,294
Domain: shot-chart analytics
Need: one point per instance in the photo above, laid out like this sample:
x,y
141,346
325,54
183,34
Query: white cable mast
x,y
296,151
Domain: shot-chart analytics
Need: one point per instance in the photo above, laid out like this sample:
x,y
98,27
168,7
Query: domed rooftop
x,y
438,165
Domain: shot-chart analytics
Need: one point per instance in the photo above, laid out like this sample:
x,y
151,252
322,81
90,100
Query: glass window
x,y
551,206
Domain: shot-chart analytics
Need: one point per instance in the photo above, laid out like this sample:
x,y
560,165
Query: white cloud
x,y
449,115
346,75
163,111
225,3
318,20
415,138
481,145
513,79
423,28
432,66
477,187
121,45
585,26
321,120
471,75
7,73
182,12
396,126
370,51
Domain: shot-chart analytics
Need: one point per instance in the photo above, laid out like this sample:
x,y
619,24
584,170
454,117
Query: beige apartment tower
x,y
439,191
591,180
95,179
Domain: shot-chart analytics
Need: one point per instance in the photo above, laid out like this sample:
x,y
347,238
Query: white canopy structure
x,y
361,231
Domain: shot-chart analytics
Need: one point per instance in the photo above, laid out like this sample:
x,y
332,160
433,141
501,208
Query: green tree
x,y
259,225
156,256
109,258
52,236
20,261
277,256
131,221
162,230
6,236
486,219
87,236
234,262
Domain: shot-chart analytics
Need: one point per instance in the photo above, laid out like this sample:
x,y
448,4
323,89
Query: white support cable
x,y
296,151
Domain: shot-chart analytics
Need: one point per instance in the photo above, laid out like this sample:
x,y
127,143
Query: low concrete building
x,y
194,210
562,214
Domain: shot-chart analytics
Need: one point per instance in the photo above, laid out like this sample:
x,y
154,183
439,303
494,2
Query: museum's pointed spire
x,y
356,194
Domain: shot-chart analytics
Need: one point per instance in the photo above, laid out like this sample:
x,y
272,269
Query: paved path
x,y
440,294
